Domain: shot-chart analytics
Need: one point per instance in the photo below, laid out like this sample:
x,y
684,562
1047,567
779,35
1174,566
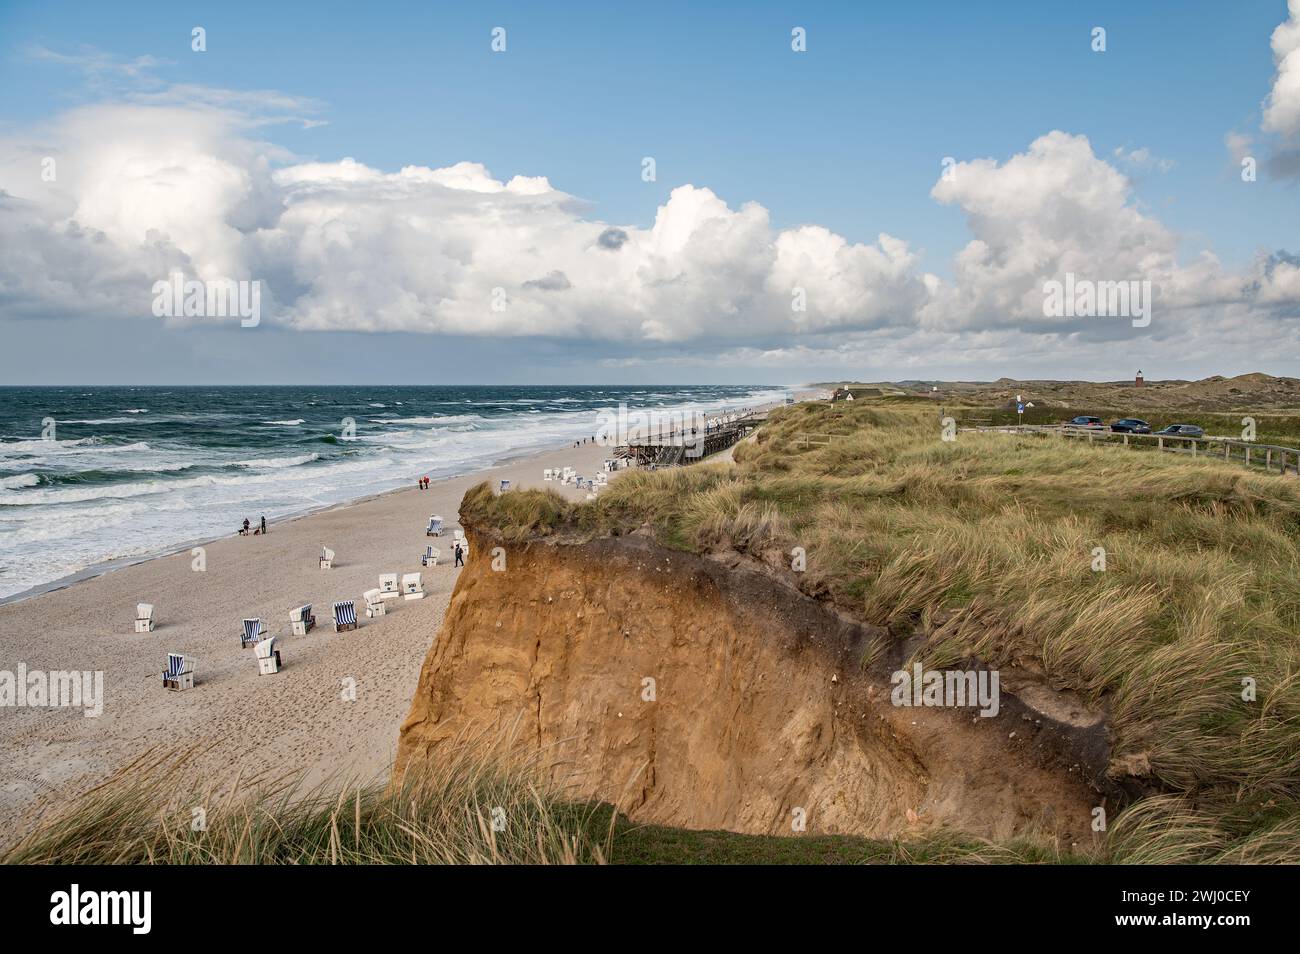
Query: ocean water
x,y
91,475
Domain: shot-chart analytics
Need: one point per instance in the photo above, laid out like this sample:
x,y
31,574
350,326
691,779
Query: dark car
x,y
1130,425
1084,421
1181,430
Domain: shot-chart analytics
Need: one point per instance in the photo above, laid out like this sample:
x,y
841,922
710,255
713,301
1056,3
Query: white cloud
x,y
1143,159
1282,108
341,246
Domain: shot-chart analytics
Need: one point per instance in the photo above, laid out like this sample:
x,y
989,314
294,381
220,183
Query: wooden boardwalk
x,y
686,447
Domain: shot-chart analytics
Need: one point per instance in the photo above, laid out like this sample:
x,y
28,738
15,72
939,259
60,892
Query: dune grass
x,y
1198,602
1200,594
484,801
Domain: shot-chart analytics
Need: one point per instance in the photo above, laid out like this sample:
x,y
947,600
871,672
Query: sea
x,y
93,477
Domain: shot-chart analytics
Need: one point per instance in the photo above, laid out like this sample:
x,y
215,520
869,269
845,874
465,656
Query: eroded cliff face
x,y
709,693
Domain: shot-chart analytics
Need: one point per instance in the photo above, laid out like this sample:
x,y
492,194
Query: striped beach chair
x,y
144,617
430,557
434,529
301,620
179,675
505,485
345,616
253,632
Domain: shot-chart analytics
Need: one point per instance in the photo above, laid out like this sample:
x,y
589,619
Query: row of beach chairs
x,y
179,674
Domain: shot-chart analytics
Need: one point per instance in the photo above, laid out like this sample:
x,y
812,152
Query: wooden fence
x,y
1271,457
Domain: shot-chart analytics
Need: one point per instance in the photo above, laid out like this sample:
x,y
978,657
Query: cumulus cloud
x,y
340,245
143,190
1282,108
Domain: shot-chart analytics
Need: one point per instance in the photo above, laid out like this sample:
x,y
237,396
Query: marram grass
x,y
1198,604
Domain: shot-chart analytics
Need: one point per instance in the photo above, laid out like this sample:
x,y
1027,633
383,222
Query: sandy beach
x,y
295,721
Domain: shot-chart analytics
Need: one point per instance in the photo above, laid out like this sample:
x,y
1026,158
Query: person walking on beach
x,y
460,556
263,523
244,530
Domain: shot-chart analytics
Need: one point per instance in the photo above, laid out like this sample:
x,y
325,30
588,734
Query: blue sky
x,y
848,135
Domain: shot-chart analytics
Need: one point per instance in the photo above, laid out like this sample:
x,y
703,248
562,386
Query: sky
x,y
892,201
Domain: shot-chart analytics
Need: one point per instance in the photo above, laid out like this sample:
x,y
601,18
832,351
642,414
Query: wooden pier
x,y
686,447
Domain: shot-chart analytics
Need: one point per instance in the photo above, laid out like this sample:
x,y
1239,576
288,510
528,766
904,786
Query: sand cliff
x,y
708,692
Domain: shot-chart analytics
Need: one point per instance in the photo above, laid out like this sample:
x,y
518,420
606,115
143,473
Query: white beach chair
x,y
434,529
412,588
345,616
144,617
388,586
548,474
375,605
505,485
268,657
301,620
326,558
253,632
179,674
430,557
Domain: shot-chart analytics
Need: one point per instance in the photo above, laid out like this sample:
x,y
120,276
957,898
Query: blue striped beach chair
x,y
253,631
345,616
430,557
434,529
178,675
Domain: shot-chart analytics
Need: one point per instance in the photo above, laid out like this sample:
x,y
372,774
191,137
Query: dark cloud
x,y
612,239
555,281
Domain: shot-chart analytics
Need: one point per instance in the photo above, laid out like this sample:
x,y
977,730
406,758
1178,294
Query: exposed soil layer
x,y
708,692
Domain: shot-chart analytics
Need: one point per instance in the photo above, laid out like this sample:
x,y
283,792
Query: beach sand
x,y
235,723
234,719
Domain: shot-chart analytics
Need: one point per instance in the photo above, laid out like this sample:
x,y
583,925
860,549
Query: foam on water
x,y
100,492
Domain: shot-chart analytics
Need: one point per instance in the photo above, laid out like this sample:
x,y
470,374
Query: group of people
x,y
258,531
423,483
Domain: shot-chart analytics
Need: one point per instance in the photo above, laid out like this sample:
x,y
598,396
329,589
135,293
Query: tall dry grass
x,y
482,801
1200,597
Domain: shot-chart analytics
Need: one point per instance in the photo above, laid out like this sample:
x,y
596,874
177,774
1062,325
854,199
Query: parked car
x,y
1130,425
1181,430
1084,421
